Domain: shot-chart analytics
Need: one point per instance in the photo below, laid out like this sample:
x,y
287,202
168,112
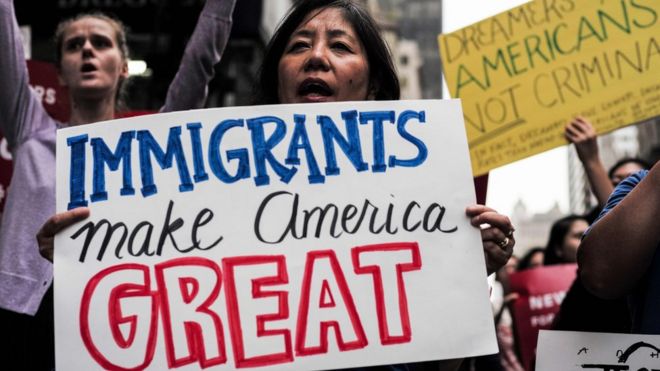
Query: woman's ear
x,y
124,70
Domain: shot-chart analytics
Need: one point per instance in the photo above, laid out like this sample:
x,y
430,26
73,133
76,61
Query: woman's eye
x,y
73,44
101,42
297,46
341,46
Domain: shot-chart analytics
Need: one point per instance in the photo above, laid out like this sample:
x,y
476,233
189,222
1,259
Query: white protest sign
x,y
569,350
288,237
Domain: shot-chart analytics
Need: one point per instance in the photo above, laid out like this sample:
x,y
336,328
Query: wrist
x,y
219,9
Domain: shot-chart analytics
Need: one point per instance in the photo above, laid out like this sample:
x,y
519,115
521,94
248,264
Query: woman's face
x,y
572,240
624,171
324,61
91,61
536,260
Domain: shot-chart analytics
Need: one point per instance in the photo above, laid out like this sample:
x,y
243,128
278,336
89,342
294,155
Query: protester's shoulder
x,y
633,180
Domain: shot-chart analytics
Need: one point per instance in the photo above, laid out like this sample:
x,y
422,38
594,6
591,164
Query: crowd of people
x,y
584,308
323,51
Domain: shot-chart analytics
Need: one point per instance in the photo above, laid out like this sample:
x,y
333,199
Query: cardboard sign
x,y
573,351
541,292
288,237
524,73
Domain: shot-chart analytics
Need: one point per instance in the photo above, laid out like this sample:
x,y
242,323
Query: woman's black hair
x,y
557,235
628,160
526,261
383,81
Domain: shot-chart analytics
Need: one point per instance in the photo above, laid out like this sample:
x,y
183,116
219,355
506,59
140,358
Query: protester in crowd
x,y
564,240
624,168
533,258
581,310
327,51
619,254
92,62
581,132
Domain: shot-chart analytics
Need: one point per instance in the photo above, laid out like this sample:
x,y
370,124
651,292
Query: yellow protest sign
x,y
524,73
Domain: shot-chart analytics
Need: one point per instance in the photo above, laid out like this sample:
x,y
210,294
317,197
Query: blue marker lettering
x,y
262,148
378,118
300,140
103,155
215,160
174,150
351,146
77,171
422,151
198,156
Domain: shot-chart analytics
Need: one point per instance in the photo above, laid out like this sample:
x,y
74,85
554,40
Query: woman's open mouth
x,y
88,67
314,89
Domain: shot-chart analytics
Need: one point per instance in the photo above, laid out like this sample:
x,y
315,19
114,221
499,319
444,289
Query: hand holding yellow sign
x,y
524,73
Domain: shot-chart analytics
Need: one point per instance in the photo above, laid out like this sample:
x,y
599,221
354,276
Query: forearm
x,y
616,253
600,183
205,48
15,96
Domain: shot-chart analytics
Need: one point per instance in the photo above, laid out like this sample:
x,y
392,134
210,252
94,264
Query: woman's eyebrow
x,y
338,32
72,38
304,33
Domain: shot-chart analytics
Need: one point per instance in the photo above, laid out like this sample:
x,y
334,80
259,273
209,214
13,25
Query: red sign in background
x,y
43,79
54,97
540,293
481,188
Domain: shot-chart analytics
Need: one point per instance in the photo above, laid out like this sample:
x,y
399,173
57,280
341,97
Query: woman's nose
x,y
87,48
317,59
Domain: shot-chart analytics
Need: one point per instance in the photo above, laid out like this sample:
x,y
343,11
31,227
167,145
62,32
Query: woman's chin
x,y
93,89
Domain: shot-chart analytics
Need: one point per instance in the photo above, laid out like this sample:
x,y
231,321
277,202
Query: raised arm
x,y
619,248
581,133
190,85
20,109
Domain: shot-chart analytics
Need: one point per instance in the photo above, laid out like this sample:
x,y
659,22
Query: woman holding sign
x,y
92,60
328,51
